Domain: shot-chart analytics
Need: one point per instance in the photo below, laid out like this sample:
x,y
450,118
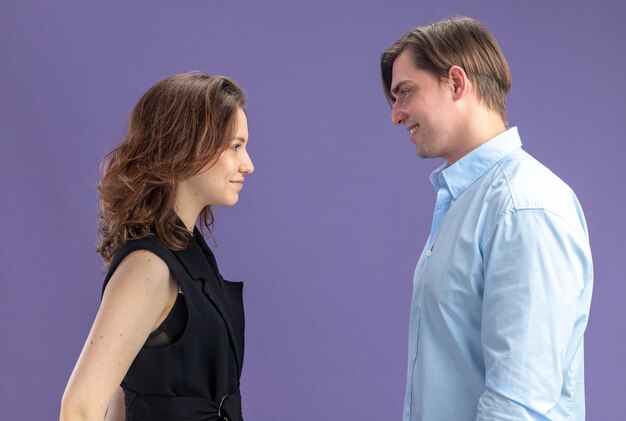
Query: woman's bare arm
x,y
116,410
135,302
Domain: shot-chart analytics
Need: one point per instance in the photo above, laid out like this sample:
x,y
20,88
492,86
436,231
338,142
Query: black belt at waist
x,y
141,407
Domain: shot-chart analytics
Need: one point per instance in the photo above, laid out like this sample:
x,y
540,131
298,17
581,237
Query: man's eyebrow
x,y
396,88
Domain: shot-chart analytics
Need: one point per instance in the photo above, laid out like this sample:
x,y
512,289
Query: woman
x,y
169,328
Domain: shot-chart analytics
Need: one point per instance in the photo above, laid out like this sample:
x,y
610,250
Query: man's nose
x,y
397,113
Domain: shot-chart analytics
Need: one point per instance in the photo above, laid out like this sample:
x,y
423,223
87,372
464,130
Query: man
x,y
501,292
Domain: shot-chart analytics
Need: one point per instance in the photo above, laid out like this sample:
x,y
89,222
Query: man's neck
x,y
478,129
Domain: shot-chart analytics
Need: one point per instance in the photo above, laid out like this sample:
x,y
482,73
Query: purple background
x,y
328,229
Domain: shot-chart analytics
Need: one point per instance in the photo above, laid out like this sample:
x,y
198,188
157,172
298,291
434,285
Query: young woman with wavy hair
x,y
167,341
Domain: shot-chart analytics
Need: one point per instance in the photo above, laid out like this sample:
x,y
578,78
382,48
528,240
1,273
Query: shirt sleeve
x,y
535,264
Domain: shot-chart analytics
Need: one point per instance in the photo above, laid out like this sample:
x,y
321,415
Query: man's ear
x,y
459,81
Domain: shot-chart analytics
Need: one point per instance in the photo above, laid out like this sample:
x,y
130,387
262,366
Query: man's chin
x,y
422,153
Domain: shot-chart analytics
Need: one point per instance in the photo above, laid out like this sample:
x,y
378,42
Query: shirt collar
x,y
464,172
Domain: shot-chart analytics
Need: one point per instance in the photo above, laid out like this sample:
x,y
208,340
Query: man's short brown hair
x,y
458,41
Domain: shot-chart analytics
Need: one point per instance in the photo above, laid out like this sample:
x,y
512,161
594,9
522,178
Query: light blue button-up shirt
x,y
501,293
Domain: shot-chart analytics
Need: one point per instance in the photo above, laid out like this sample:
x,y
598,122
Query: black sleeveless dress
x,y
196,378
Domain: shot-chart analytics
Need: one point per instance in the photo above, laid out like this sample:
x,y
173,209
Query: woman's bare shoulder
x,y
142,283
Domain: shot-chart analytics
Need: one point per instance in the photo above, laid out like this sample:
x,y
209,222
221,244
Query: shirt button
x,y
428,253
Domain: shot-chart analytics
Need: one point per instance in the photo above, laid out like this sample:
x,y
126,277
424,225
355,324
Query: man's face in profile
x,y
423,105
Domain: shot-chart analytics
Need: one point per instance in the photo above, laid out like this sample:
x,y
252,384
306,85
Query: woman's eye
x,y
236,148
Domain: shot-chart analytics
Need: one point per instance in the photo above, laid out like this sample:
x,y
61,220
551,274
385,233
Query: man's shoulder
x,y
532,185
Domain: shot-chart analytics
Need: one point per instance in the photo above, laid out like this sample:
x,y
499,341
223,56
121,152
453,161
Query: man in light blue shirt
x,y
502,289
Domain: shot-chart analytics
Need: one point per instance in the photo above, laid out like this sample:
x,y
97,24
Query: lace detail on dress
x,y
172,327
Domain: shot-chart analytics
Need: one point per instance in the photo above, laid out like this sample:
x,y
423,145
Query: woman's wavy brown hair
x,y
180,125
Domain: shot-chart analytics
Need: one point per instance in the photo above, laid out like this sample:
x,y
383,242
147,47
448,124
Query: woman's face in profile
x,y
221,183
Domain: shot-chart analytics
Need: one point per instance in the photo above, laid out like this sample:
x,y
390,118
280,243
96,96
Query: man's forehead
x,y
404,61
402,67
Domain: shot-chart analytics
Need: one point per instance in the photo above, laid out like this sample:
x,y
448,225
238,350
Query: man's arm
x,y
537,267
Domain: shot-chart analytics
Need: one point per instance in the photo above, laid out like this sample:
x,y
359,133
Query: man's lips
x,y
413,130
